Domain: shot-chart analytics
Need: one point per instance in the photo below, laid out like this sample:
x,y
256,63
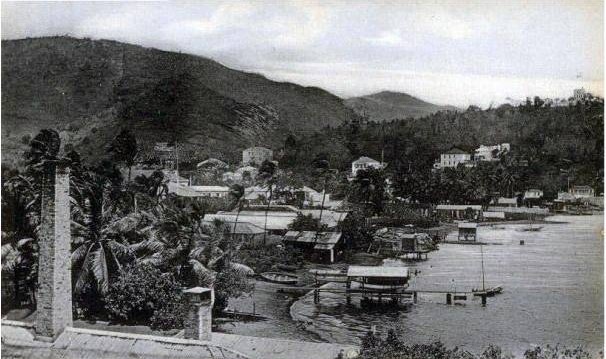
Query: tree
x,y
143,295
267,174
123,149
236,193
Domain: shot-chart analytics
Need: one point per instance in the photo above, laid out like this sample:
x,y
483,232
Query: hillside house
x,y
255,156
247,234
321,246
507,202
533,194
491,153
364,163
582,192
452,158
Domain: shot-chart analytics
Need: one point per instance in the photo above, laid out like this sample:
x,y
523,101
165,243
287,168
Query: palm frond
x,y
100,271
242,268
204,276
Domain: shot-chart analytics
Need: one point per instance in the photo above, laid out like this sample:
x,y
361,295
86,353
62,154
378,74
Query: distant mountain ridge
x,y
389,105
89,90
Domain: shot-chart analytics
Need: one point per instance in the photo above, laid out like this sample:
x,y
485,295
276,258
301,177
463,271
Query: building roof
x,y
582,187
211,162
275,220
456,150
78,343
470,225
505,200
243,228
377,271
459,207
257,148
210,188
365,159
310,237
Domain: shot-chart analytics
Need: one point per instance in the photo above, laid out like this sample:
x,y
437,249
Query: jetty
x,y
378,283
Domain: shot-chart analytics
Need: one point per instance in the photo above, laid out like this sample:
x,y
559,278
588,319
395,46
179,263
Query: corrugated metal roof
x,y
365,159
377,271
468,225
311,237
459,207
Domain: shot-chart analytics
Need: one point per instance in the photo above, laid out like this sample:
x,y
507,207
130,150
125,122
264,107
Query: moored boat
x,y
282,278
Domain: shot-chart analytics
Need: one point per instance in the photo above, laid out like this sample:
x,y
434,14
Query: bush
x,y
143,295
392,347
266,258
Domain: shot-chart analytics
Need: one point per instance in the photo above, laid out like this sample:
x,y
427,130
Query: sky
x,y
448,52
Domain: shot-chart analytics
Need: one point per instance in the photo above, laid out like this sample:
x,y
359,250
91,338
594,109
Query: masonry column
x,y
54,297
198,318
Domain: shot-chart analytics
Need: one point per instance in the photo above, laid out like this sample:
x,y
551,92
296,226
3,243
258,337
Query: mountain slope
x,y
387,105
89,90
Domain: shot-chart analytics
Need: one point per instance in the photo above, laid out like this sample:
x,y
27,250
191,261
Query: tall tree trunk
x,y
233,232
266,211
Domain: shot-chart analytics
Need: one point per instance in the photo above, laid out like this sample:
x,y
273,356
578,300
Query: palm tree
x,y
236,192
267,174
98,226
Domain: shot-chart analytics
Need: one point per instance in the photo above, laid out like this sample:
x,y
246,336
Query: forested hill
x,y
90,89
553,141
388,105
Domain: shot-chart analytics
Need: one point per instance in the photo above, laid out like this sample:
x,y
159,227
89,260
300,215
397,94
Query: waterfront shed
x,y
378,277
468,231
321,246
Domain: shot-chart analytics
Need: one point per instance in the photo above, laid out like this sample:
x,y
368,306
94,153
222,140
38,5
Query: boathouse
x,y
377,278
320,246
468,231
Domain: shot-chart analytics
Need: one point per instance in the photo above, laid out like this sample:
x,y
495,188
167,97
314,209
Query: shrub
x,y
144,295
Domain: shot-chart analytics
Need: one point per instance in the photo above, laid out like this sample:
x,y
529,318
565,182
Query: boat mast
x,y
482,252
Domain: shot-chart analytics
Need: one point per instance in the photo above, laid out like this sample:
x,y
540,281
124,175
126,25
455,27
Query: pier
x,y
380,283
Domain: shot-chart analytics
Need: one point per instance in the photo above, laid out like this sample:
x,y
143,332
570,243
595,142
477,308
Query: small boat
x,y
490,291
282,278
530,229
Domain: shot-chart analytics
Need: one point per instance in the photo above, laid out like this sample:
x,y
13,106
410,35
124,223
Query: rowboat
x,y
282,278
489,292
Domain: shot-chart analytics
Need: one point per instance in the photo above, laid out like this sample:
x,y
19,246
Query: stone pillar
x,y
198,319
54,297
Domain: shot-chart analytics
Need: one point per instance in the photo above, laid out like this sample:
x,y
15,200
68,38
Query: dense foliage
x,y
123,235
144,295
392,347
550,146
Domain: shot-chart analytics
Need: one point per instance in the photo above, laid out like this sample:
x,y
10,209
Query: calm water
x,y
553,293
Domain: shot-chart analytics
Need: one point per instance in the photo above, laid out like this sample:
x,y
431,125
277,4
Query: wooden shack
x,y
468,232
319,246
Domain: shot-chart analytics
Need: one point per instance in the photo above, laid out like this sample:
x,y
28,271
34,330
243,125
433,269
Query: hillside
x,y
89,90
387,105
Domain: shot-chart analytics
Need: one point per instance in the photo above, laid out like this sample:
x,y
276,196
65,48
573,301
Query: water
x,y
553,293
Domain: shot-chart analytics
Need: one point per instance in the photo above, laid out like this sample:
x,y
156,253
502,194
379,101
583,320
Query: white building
x,y
255,156
491,153
452,158
364,163
582,192
533,193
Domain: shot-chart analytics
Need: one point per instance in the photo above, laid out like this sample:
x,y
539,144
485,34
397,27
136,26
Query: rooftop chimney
x,y
198,320
54,298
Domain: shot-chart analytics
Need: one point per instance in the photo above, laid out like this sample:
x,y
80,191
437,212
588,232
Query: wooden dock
x,y
397,296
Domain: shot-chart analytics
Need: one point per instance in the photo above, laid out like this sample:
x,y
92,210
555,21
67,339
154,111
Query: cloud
x,y
446,50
